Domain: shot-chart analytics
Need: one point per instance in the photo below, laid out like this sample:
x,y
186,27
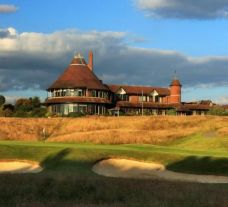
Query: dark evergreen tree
x,y
2,100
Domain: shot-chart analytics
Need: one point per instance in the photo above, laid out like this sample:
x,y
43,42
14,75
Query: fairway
x,y
67,175
173,157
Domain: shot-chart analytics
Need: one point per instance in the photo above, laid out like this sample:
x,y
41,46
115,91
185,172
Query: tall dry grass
x,y
111,130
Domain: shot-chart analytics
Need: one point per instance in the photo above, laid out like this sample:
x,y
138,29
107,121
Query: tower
x,y
175,91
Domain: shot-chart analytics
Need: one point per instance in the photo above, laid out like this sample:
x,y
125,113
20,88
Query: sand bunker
x,y
19,166
134,169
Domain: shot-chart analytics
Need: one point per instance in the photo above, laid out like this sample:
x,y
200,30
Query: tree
x,y
2,100
23,104
29,107
35,101
7,110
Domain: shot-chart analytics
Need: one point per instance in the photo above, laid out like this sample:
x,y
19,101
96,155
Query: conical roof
x,y
78,75
175,82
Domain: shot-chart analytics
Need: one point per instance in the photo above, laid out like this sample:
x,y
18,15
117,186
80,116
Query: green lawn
x,y
206,142
67,179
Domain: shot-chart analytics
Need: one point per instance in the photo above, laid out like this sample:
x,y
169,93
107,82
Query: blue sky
x,y
184,36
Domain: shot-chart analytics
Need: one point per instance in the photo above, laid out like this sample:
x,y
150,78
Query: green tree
x,y
2,100
7,110
29,107
24,105
35,101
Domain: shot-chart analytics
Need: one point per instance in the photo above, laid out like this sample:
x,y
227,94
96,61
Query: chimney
x,y
90,64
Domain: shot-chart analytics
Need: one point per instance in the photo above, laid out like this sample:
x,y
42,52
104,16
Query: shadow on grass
x,y
61,162
201,165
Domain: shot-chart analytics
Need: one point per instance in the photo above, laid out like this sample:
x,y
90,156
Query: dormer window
x,y
155,96
122,95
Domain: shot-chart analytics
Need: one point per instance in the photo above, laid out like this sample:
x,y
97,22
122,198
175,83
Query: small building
x,y
79,90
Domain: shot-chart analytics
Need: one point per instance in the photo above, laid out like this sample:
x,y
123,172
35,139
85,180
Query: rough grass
x,y
70,191
111,130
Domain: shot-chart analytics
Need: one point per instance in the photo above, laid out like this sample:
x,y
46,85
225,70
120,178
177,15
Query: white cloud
x,y
184,9
223,100
8,8
35,60
12,99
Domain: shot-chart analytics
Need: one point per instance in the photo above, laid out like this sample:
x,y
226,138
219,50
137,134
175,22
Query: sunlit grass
x,y
111,130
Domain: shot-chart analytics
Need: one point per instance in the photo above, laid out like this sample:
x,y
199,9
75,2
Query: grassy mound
x,y
111,130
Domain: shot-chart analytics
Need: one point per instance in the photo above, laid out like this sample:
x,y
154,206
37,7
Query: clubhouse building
x,y
79,90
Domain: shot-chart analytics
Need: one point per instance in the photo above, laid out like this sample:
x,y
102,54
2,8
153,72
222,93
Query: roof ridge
x,y
136,86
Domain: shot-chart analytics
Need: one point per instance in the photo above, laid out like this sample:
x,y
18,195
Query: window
x,y
94,93
57,93
64,92
156,98
101,94
142,98
79,92
123,97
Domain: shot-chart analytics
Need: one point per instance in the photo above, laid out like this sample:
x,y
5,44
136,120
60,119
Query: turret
x,y
175,91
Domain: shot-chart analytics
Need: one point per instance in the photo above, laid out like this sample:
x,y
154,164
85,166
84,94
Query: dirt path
x,y
19,166
134,169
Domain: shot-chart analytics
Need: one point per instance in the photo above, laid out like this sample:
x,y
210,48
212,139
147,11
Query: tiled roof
x,y
137,90
182,108
78,75
179,107
57,100
225,107
197,106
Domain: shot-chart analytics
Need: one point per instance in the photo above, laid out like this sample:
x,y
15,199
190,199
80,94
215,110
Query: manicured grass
x,y
67,179
206,142
73,156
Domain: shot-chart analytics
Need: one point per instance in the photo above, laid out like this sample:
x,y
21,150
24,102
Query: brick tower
x,y
175,91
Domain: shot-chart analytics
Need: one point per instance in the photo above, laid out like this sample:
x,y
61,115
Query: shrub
x,y
20,113
38,112
171,112
218,111
76,114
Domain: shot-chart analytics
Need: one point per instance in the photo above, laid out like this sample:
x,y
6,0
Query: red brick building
x,y
79,90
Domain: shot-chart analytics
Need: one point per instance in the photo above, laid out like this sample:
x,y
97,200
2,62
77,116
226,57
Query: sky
x,y
135,42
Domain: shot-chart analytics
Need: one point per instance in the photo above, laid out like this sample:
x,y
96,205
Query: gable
x,y
154,93
121,91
